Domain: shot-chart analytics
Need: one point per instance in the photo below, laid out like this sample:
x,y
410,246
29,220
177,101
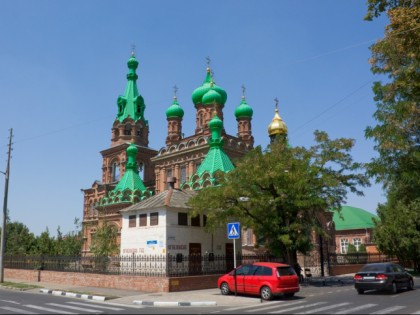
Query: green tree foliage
x,y
19,240
351,249
362,249
71,243
104,241
281,193
45,244
397,133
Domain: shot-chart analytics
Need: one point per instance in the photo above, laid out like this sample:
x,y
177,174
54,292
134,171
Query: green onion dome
x,y
132,64
175,111
215,123
199,92
131,154
211,97
243,110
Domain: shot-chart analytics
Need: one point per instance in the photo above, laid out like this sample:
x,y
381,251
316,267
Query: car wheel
x,y
394,288
289,295
360,291
410,284
224,288
266,293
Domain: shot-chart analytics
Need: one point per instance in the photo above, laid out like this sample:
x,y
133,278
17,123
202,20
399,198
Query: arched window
x,y
127,130
115,176
141,170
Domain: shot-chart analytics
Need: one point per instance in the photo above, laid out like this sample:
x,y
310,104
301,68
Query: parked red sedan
x,y
265,279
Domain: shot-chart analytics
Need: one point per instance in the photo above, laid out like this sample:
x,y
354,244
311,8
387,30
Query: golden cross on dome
x,y
208,61
243,91
133,49
277,102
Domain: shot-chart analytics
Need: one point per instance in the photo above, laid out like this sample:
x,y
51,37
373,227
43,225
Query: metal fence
x,y
359,258
139,265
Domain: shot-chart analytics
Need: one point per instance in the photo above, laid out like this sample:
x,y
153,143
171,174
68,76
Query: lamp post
x,y
3,226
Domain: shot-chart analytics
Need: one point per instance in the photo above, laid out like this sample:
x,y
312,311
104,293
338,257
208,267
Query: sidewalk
x,y
205,297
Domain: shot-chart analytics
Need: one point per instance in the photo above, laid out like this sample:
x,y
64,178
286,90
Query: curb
x,y
150,303
74,295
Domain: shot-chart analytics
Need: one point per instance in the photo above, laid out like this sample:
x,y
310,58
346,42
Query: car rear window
x,y
285,271
381,268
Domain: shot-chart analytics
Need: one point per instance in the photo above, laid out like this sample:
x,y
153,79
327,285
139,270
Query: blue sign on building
x,y
233,230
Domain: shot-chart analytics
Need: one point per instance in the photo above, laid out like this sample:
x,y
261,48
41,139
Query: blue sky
x,y
63,65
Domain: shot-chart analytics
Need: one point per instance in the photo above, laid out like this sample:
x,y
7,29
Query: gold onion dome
x,y
277,125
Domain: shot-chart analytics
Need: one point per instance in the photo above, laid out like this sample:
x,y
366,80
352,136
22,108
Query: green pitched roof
x,y
130,188
215,160
131,104
353,219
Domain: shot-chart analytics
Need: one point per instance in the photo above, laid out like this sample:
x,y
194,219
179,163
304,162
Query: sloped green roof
x,y
130,188
353,219
215,160
131,104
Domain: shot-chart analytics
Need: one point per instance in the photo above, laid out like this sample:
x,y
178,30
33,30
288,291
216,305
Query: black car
x,y
383,276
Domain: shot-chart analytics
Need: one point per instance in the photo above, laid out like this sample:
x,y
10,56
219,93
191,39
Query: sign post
x,y
234,233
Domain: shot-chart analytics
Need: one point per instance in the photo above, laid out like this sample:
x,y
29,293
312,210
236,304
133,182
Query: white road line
x,y
53,310
297,307
355,309
98,306
321,309
418,312
389,310
241,307
17,310
84,309
272,305
8,301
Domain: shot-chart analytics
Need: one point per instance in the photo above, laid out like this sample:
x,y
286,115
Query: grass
x,y
19,285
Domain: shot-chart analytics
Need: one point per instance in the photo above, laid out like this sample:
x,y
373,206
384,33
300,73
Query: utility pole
x,y
6,191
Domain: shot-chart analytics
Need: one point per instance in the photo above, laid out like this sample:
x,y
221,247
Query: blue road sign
x,y
233,230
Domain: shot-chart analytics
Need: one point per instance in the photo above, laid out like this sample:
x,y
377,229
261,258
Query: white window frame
x,y
344,245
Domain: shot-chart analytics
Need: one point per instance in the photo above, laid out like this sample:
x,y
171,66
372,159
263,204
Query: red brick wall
x,y
344,269
144,284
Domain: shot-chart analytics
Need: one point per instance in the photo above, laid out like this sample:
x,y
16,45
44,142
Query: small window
x,y
132,221
195,221
154,218
182,218
143,219
183,174
344,244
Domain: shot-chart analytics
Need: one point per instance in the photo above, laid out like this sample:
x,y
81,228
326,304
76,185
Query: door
x,y
194,263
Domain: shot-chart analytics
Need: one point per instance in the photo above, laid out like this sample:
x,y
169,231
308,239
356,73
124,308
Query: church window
x,y
143,219
154,218
115,172
132,221
141,170
127,130
357,241
168,172
195,221
182,218
344,244
200,121
139,132
183,178
138,108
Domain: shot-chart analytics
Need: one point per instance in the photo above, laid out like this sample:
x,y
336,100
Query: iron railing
x,y
359,258
139,265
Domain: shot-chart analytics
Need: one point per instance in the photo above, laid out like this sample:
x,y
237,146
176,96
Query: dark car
x,y
383,276
265,279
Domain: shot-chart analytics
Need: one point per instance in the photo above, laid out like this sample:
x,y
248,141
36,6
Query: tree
x,y
71,243
19,240
397,133
104,241
282,193
45,244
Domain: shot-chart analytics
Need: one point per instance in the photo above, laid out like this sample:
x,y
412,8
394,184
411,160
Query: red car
x,y
265,279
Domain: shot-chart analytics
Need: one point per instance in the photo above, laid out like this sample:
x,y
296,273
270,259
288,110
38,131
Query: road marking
x,y
355,309
98,306
418,312
17,310
272,305
297,307
242,307
8,301
84,309
320,309
53,310
389,310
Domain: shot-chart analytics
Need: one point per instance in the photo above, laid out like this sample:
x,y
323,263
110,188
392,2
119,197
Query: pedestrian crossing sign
x,y
233,230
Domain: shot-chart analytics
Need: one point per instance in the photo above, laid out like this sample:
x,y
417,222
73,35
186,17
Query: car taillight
x,y
381,277
358,277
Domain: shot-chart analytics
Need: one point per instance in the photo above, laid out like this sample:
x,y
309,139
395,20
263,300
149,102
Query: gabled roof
x,y
353,219
173,198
